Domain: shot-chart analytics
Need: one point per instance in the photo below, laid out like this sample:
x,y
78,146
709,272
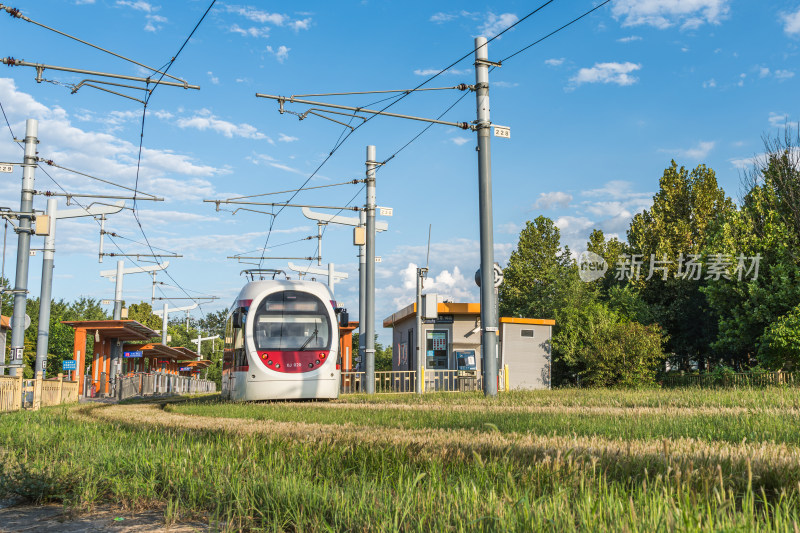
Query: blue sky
x,y
596,113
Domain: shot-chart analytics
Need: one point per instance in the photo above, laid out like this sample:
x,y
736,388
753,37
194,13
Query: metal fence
x,y
159,383
737,379
406,381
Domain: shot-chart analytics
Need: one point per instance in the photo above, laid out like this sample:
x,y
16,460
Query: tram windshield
x,y
292,321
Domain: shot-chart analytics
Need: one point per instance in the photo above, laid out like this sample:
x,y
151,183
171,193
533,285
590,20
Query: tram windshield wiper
x,y
309,339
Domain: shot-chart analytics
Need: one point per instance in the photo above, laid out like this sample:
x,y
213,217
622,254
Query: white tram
x,y
282,342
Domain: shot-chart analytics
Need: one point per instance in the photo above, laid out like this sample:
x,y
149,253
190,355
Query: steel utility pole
x,y
359,222
362,294
117,276
165,316
489,321
419,348
199,342
45,296
23,246
369,307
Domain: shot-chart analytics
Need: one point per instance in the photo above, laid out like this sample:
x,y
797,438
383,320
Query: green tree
x,y
540,276
779,346
685,211
767,226
143,314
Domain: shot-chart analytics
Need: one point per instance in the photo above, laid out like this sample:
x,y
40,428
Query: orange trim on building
x,y
448,308
532,321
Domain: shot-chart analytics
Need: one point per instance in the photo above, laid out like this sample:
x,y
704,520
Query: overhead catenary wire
x,y
570,23
16,13
395,101
113,241
163,72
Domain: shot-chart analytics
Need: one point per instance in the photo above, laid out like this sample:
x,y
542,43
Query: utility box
x,y
359,236
42,225
430,306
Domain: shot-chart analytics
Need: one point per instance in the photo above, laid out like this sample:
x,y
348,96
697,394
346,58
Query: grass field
x,y
602,460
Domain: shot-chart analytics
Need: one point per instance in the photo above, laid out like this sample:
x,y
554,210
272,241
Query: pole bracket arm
x,y
487,62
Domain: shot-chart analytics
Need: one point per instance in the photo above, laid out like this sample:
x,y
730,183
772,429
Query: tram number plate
x,y
7,168
502,131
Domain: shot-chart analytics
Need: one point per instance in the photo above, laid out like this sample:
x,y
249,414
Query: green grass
x,y
755,426
333,483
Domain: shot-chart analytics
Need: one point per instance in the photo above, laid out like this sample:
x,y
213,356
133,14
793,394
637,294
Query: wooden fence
x,y
737,379
18,393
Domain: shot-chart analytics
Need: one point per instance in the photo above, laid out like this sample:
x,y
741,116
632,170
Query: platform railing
x,y
18,393
406,381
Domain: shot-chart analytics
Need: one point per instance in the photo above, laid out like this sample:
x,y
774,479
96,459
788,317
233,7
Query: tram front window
x,y
292,321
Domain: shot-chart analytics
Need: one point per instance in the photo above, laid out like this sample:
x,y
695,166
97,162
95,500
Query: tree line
x,y
700,284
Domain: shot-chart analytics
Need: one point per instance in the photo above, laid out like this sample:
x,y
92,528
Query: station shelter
x,y
108,352
5,327
452,342
346,345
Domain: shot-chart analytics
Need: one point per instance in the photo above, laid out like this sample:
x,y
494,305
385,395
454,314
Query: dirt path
x,y
52,518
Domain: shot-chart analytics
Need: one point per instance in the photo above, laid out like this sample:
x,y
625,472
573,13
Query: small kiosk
x,y
452,342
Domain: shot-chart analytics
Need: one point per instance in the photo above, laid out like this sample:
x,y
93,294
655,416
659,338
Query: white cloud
x,y
618,73
214,79
138,5
763,72
432,71
298,25
549,200
496,23
281,54
443,17
154,23
629,39
554,62
265,17
791,23
163,172
697,152
783,74
666,13
460,140
781,120
286,138
204,120
84,2
509,228
504,84
709,84
249,32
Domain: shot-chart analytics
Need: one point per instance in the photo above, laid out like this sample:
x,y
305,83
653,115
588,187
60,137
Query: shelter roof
x,y
155,350
126,330
187,354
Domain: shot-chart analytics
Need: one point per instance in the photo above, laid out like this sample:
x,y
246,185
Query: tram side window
x,y
239,355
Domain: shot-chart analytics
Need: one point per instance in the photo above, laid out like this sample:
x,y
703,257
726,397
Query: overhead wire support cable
x,y
107,182
16,13
460,87
40,68
70,195
283,99
281,204
351,182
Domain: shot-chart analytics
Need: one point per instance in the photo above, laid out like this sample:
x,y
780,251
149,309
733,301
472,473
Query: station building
x,y
454,337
